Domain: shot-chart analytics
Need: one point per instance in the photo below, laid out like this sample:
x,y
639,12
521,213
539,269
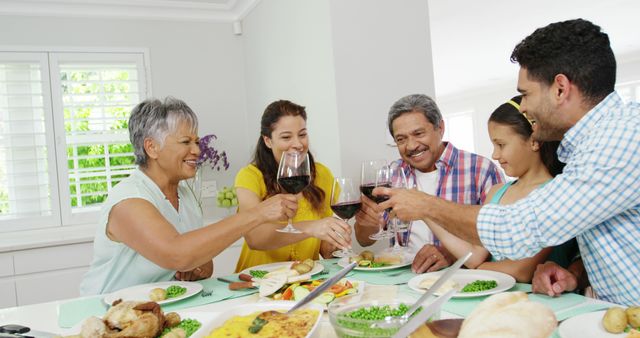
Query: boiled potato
x,y
309,262
172,319
367,255
633,316
158,294
615,320
301,268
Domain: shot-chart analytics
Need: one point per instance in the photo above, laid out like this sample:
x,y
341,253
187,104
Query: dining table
x,y
64,317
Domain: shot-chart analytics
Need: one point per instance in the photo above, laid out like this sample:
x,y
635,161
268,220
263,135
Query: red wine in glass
x,y
367,190
294,184
345,202
346,210
294,174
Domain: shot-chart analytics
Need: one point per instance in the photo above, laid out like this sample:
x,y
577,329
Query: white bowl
x,y
245,309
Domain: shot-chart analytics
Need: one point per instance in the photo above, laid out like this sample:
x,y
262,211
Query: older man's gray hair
x,y
155,119
415,103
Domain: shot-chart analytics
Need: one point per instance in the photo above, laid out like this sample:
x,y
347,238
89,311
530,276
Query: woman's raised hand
x,y
333,230
277,208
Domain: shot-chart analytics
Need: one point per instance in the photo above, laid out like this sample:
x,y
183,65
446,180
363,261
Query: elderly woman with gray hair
x,y
150,227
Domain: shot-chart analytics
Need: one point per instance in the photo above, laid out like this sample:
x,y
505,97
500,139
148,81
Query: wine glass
x,y
293,176
402,180
345,202
376,174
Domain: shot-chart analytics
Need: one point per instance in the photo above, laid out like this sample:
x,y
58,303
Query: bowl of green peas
x,y
351,317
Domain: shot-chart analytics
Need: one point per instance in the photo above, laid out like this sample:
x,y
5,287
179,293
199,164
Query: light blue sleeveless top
x,y
115,265
561,254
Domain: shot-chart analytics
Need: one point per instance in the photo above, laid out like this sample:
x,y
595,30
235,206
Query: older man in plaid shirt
x,y
437,167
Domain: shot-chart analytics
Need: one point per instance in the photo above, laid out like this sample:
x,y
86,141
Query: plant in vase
x,y
211,157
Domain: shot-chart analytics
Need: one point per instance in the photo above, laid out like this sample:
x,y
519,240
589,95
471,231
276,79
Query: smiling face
x,y
538,104
289,134
179,153
419,142
514,153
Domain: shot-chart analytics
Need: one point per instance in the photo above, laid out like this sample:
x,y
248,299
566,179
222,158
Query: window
x,y
630,91
459,127
63,133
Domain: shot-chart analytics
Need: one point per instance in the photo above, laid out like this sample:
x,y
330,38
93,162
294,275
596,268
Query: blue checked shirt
x,y
596,199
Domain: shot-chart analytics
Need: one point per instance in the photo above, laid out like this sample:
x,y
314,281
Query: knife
x,y
325,285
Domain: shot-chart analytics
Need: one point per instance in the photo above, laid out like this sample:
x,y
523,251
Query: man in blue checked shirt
x,y
567,77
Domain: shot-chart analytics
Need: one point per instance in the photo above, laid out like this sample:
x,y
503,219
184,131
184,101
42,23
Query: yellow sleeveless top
x,y
251,178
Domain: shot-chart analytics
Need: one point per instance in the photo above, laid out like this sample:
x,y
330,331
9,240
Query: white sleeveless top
x,y
115,265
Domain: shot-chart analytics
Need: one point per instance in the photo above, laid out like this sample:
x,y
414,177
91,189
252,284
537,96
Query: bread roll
x,y
509,314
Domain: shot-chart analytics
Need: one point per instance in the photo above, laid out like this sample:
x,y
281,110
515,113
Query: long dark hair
x,y
263,157
509,114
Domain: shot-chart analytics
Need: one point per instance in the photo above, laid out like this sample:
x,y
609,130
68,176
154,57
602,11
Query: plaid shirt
x,y
596,199
463,177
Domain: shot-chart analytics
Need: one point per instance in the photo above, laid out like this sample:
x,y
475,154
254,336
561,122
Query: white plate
x,y
141,292
203,317
407,259
279,265
464,277
243,310
586,325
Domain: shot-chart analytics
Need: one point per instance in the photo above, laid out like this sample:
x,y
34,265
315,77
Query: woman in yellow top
x,y
283,128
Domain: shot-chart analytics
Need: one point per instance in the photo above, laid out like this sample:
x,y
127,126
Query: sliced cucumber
x,y
300,292
325,298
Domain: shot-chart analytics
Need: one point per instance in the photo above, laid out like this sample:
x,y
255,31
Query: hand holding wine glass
x,y
294,174
345,202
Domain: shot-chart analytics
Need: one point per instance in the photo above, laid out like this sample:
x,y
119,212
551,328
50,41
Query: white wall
x,y
382,51
288,55
200,63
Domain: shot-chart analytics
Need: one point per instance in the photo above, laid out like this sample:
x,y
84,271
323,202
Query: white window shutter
x,y
28,190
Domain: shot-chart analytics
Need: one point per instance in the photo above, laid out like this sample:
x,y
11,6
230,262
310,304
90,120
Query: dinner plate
x,y
245,309
280,265
586,325
406,260
203,317
464,277
141,292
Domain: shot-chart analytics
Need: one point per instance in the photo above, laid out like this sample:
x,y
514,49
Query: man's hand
x,y
551,279
429,259
203,271
406,204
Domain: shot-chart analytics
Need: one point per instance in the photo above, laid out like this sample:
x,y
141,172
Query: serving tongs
x,y
259,322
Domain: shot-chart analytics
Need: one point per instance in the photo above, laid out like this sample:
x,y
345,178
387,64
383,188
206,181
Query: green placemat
x,y
463,306
75,311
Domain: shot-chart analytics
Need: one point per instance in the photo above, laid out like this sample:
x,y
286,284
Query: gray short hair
x,y
155,119
415,103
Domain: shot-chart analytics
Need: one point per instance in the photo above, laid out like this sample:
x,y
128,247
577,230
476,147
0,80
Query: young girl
x,y
284,129
534,164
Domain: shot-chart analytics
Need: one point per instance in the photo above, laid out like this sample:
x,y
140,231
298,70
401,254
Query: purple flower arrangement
x,y
210,156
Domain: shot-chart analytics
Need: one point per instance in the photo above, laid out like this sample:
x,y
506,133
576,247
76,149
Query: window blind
x,y
25,181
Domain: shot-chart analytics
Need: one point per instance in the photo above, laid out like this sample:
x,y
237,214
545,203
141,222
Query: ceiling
x,y
472,40
198,10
